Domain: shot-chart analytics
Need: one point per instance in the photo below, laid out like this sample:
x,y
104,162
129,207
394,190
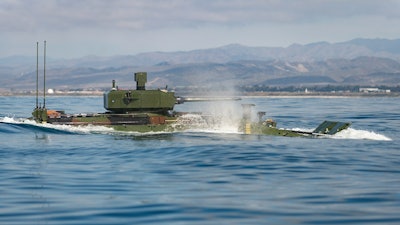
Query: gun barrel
x,y
181,100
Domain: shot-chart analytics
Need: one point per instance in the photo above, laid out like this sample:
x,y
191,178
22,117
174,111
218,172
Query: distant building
x,y
373,90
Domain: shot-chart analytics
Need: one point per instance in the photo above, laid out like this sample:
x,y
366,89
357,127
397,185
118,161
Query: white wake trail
x,y
199,125
351,133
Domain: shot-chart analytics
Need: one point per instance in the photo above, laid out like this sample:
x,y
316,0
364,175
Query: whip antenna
x,y
44,76
37,73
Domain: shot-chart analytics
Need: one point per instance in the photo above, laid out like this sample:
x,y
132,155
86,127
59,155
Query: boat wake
x,y
229,128
52,128
207,124
351,133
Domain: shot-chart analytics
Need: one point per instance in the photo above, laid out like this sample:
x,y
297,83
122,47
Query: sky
x,y
77,28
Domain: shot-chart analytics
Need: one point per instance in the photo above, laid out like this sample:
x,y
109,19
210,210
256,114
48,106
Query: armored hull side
x,y
137,122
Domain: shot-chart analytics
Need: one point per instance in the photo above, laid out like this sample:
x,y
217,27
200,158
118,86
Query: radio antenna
x,y
37,73
44,76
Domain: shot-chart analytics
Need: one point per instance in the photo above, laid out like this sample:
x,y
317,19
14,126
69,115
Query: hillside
x,y
356,62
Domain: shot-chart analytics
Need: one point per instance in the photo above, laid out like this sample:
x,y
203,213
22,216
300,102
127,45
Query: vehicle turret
x,y
139,100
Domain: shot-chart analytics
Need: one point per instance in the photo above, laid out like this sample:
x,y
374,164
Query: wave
x,y
26,124
351,133
21,125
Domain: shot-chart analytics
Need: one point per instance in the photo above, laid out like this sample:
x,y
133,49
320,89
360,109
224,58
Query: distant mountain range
x,y
367,62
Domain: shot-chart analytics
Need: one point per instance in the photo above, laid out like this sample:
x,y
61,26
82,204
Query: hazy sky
x,y
75,28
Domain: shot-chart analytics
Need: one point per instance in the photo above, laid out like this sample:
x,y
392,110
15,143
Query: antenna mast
x,y
37,73
44,76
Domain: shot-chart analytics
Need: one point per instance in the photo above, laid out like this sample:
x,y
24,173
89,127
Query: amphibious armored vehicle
x,y
144,110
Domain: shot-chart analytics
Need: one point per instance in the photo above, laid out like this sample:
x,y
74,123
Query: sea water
x,y
94,175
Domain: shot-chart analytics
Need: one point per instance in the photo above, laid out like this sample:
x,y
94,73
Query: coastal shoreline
x,y
320,94
243,94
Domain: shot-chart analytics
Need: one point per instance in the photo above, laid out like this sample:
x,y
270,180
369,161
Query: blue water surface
x,y
72,176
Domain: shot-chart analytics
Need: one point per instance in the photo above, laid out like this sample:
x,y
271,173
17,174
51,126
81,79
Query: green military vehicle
x,y
144,110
